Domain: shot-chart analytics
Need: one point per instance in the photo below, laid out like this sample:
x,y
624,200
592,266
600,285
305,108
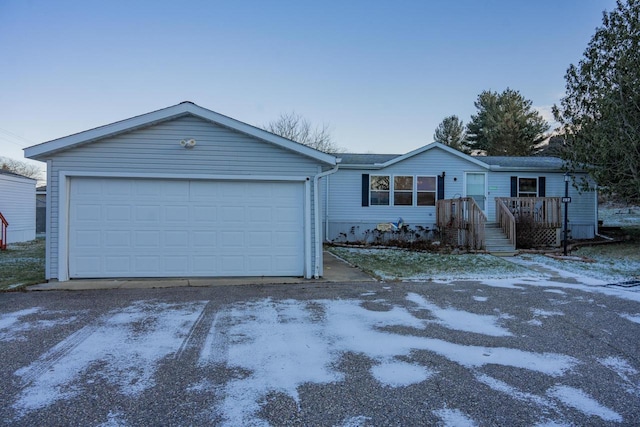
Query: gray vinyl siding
x,y
347,215
18,205
156,150
345,192
582,209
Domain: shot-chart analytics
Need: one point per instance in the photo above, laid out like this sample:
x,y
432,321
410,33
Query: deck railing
x,y
506,220
3,232
545,211
465,216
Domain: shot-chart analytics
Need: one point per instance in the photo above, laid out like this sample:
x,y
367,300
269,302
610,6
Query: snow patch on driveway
x,y
461,320
454,418
129,342
579,400
285,344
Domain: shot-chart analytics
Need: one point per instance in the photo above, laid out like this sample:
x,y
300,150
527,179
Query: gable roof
x,y
524,163
380,161
14,175
494,163
365,159
186,108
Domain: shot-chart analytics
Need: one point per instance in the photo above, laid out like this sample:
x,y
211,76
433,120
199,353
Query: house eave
x,y
46,149
432,146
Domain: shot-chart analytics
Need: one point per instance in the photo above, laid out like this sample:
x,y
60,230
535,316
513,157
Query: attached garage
x,y
182,192
169,227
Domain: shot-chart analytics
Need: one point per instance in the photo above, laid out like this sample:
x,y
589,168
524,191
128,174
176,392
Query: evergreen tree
x,y
451,132
505,125
600,113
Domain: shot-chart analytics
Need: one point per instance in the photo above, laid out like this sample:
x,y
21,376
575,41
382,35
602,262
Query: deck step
x,y
496,243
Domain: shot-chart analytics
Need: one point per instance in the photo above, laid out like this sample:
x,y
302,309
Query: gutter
x,y
316,214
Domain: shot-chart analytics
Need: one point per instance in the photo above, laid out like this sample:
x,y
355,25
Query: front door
x,y
476,187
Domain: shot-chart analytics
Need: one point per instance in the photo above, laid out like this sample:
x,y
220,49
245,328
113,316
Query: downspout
x,y
316,214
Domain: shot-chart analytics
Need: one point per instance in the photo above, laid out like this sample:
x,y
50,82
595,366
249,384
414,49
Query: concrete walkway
x,y
335,271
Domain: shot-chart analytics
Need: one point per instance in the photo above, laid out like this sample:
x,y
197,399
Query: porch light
x,y
566,201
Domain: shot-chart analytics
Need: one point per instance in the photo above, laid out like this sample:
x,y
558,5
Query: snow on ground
x,y
130,342
281,345
579,400
8,320
620,216
454,418
461,320
13,325
289,343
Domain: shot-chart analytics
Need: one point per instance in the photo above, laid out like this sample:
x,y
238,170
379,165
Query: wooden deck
x,y
464,218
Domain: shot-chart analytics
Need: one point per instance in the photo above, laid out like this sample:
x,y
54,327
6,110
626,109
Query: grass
x,y
22,264
400,264
614,262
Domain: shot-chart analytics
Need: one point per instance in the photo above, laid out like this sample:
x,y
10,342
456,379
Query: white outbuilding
x,y
18,206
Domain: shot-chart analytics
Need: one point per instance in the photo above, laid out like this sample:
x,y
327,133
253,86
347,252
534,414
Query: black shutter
x,y
514,186
542,183
440,194
365,189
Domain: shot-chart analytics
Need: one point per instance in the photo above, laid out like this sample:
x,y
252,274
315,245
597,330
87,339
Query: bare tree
x,y
21,168
296,128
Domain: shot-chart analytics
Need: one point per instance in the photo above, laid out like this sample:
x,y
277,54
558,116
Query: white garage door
x,y
181,228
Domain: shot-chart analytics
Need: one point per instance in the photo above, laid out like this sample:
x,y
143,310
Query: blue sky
x,y
381,74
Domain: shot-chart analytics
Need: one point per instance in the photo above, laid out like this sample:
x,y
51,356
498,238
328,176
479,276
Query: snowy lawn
x,y
606,263
401,264
612,216
22,264
611,263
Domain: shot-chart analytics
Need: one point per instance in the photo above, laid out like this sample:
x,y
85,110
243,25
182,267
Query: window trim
x,y
414,190
389,191
529,193
435,189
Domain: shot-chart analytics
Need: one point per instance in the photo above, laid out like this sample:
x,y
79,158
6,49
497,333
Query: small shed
x,y
18,206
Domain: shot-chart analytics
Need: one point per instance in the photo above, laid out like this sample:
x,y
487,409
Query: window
x,y
403,190
400,190
527,187
426,191
379,190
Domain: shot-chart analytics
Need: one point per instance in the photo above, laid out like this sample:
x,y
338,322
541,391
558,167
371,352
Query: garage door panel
x,y
177,214
204,214
147,214
117,239
204,239
232,239
135,228
88,239
259,214
118,213
89,212
232,214
176,239
260,239
118,264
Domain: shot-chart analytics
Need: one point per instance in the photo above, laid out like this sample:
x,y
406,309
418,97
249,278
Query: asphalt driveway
x,y
465,353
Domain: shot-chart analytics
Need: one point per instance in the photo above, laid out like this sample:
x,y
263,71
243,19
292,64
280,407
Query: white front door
x,y
476,187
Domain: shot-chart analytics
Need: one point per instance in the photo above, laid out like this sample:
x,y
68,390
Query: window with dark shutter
x,y
365,189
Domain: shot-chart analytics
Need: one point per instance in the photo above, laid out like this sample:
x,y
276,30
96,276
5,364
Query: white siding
x,y
18,205
156,150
